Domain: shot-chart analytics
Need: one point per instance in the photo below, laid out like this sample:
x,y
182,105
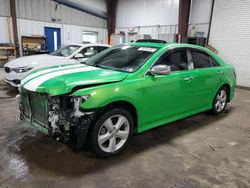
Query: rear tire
x,y
112,132
220,101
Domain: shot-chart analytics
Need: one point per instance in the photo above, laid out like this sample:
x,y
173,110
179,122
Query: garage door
x,y
230,35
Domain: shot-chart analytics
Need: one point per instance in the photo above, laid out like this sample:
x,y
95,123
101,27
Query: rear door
x,y
206,78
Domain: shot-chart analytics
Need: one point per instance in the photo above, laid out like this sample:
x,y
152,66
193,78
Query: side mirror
x,y
78,56
160,70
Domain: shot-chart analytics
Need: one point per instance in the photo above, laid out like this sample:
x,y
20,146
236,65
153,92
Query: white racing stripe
x,y
33,84
29,77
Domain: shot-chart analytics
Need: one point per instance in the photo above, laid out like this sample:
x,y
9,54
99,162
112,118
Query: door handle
x,y
220,72
188,78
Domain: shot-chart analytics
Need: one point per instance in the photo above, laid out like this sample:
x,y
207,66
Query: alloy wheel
x,y
113,133
221,100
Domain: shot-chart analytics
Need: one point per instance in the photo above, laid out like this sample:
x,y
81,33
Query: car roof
x,y
169,45
88,44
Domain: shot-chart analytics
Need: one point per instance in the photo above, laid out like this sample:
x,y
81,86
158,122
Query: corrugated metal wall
x,y
97,4
4,33
230,35
164,32
34,15
200,11
69,33
5,8
45,10
152,17
131,13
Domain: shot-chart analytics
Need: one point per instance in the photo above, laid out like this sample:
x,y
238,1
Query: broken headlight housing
x,y
77,102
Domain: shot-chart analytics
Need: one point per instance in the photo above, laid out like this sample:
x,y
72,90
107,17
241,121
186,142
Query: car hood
x,y
62,79
34,60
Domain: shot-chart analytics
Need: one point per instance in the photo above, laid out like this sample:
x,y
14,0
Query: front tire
x,y
220,101
112,132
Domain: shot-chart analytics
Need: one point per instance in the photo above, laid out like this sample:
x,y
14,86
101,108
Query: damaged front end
x,y
58,116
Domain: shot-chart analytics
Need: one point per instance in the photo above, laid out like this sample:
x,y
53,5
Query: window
x,y
202,60
101,48
66,50
89,37
89,51
122,58
176,60
213,62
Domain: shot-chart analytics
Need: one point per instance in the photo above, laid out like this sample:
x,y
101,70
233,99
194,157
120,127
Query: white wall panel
x,y
230,35
153,17
45,10
131,13
4,36
73,34
164,32
4,7
200,11
69,33
97,4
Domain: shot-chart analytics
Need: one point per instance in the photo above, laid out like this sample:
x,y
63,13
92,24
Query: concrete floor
x,y
200,151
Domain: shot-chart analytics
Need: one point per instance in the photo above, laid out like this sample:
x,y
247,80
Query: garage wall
x,y
4,13
69,33
46,10
132,13
34,15
4,33
97,4
152,17
5,8
230,35
200,15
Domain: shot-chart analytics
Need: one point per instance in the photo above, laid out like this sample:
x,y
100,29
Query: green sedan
x,y
124,90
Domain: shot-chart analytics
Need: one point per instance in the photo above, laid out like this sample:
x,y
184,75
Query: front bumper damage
x,y
60,117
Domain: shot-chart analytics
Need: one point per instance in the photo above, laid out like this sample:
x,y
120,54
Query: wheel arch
x,y
228,89
125,105
121,104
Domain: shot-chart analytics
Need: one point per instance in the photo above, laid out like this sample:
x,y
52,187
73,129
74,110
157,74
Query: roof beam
x,y
83,8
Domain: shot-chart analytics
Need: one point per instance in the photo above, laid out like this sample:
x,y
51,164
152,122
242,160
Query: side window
x,y
176,60
201,60
213,62
89,51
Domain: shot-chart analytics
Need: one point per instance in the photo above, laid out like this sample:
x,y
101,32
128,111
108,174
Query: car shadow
x,y
43,154
7,91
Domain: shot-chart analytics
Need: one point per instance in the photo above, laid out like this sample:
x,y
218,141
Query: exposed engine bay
x,y
65,117
61,116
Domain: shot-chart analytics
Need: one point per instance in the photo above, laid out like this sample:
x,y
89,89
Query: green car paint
x,y
66,78
157,99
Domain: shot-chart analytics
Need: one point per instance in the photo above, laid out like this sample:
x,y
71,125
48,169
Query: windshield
x,y
66,50
122,58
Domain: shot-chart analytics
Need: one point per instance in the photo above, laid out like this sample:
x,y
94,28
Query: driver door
x,y
166,96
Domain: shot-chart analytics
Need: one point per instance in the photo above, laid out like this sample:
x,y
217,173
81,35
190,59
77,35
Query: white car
x,y
17,69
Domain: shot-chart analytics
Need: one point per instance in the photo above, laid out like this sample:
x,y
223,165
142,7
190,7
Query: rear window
x,y
202,60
